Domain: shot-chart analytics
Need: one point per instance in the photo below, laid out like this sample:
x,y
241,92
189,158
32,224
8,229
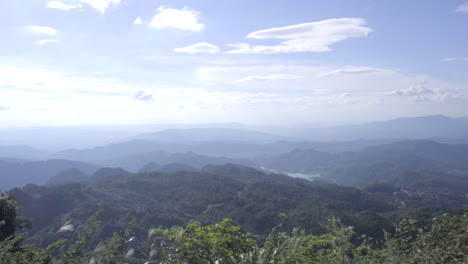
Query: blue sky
x,y
79,62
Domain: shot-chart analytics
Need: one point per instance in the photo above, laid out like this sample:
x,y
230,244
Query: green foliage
x,y
256,204
14,251
76,250
112,251
218,243
445,240
74,253
9,219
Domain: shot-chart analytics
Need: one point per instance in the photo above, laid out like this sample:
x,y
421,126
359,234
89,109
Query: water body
x,y
309,177
302,175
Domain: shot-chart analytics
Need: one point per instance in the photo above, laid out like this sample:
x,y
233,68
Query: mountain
x,y
133,156
252,198
299,160
233,150
373,164
37,172
107,174
23,152
433,182
193,135
255,200
72,175
58,138
108,152
167,168
248,174
423,127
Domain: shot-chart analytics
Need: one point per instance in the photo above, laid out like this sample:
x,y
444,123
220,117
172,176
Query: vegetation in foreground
x,y
444,240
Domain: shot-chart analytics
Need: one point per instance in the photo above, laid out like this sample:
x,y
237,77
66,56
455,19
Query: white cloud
x,y
463,8
101,5
449,59
421,93
413,91
307,37
43,30
45,41
350,70
184,19
202,47
62,6
454,59
137,21
271,77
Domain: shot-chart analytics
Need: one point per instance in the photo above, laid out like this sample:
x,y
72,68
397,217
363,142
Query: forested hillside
x,y
377,163
253,199
443,239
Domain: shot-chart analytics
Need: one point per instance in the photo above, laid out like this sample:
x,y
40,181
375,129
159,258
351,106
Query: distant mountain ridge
x,y
423,127
23,152
133,160
192,135
373,164
37,172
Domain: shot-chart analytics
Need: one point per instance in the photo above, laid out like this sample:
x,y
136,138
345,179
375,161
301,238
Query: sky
x,y
106,62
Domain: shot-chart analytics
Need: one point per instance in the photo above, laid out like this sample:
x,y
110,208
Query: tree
x,y
218,243
9,219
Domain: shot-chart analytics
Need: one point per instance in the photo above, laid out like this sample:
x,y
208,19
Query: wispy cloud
x,y
307,37
62,6
349,70
43,30
45,41
454,59
271,77
137,21
184,19
101,5
463,8
202,47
